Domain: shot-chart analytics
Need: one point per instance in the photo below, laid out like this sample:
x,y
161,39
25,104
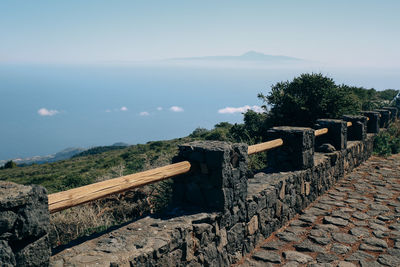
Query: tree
x,y
308,98
10,164
253,130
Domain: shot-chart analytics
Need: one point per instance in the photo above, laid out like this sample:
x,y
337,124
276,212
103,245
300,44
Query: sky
x,y
360,33
92,66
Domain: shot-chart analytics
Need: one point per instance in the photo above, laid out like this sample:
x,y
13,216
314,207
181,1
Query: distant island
x,y
249,56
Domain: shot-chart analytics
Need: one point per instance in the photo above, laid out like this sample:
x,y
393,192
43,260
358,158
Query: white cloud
x,y
107,110
144,113
231,110
124,108
176,109
159,108
46,112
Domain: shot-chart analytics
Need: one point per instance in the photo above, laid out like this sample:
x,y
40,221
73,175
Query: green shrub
x,y
199,133
220,134
156,145
10,165
388,142
382,144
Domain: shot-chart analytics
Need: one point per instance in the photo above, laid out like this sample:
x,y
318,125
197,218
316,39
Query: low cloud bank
x,y
232,110
144,113
176,109
47,112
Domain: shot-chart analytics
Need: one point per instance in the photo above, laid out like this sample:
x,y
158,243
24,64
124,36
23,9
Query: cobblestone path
x,y
356,223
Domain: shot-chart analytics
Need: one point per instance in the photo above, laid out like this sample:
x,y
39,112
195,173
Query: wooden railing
x,y
80,195
264,146
321,131
76,196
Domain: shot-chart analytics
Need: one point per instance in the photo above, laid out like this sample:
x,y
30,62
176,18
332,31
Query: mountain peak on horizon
x,y
252,53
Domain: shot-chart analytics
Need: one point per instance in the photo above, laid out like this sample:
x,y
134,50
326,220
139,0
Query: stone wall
x,y
221,239
24,225
219,212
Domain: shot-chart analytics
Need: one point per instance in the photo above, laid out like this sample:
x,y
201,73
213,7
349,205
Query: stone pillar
x,y
358,131
393,112
337,133
218,179
297,151
24,225
384,118
373,122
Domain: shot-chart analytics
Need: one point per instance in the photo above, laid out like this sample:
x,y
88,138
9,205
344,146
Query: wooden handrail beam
x,y
264,146
77,196
321,131
349,124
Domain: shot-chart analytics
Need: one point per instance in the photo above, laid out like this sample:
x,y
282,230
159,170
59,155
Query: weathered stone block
x,y
297,151
24,225
358,130
235,237
251,209
393,112
384,117
337,133
218,180
36,253
373,122
7,257
252,225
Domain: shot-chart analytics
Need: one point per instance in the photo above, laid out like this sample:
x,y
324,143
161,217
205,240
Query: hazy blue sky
x,y
359,33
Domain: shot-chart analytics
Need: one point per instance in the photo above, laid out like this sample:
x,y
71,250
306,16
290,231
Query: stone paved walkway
x,y
356,223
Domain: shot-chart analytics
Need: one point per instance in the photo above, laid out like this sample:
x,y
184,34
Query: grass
x,y
99,215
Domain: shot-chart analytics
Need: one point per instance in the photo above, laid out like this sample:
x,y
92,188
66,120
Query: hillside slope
x,y
89,168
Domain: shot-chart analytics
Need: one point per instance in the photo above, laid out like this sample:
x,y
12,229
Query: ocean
x,y
47,108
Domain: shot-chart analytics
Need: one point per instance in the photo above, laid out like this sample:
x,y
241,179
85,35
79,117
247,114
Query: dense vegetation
x,y
298,102
388,142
